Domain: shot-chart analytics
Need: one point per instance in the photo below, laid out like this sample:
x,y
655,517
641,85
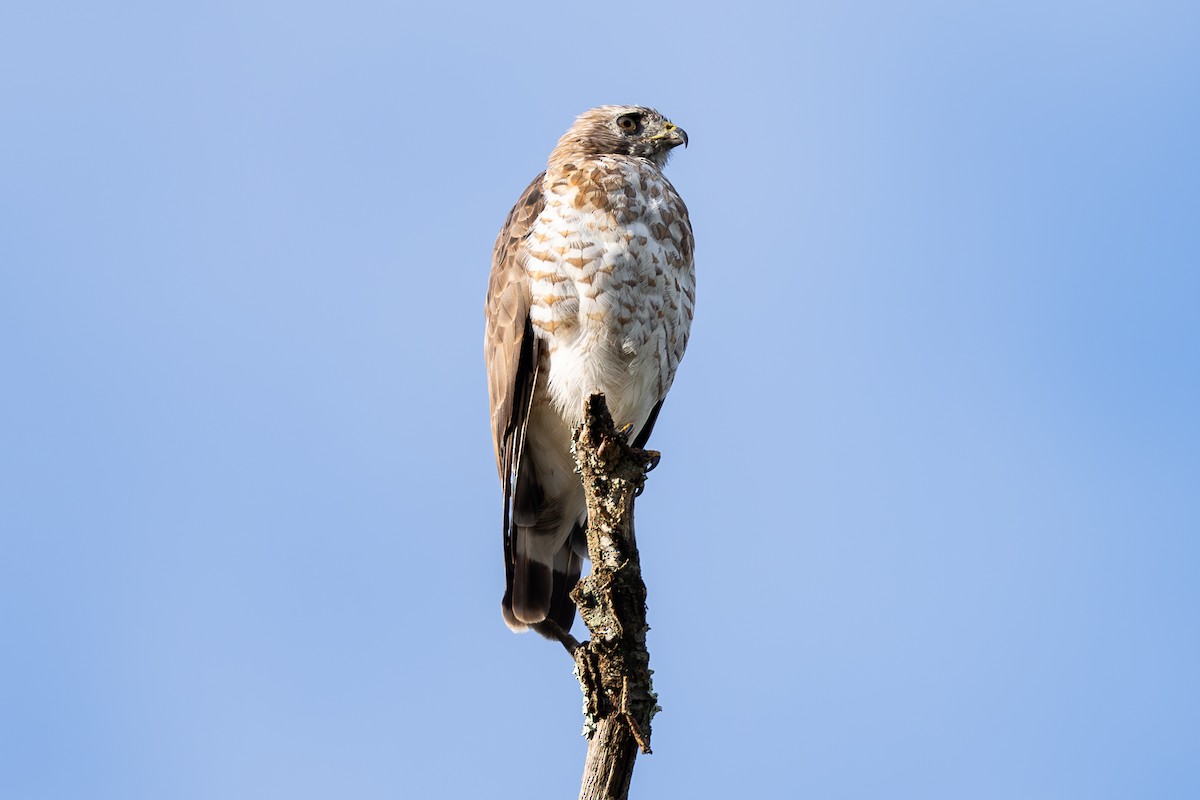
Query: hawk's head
x,y
621,130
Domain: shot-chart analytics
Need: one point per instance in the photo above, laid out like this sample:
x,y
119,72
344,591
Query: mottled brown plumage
x,y
591,290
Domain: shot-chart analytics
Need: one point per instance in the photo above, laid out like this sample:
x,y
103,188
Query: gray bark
x,y
613,666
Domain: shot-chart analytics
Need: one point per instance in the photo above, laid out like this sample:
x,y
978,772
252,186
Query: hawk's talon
x,y
655,457
626,432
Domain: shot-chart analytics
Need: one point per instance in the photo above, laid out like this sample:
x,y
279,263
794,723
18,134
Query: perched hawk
x,y
592,290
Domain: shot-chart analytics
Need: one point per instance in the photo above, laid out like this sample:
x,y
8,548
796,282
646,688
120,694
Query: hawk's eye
x,y
629,123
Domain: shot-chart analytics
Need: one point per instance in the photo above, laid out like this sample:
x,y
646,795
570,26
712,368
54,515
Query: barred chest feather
x,y
612,286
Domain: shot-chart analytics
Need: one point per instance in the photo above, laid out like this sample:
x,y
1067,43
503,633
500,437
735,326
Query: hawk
x,y
591,290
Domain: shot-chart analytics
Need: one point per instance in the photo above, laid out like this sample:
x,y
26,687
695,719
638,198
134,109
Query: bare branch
x,y
613,666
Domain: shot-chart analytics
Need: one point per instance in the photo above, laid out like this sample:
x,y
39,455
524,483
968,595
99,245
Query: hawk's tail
x,y
537,590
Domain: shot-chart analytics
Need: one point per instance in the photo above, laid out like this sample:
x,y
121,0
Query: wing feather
x,y
510,347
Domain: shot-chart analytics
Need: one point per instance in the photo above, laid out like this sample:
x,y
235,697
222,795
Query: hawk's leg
x,y
552,630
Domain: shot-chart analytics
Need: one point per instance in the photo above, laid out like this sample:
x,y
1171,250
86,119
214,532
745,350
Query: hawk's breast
x,y
612,286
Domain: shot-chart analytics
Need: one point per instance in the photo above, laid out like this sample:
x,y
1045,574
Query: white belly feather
x,y
611,301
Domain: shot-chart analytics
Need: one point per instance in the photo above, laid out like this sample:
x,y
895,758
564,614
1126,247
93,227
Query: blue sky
x,y
926,524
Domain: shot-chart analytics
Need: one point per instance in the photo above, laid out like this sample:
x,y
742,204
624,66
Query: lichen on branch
x,y
613,666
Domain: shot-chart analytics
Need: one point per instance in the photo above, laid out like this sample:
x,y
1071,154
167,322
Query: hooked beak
x,y
673,135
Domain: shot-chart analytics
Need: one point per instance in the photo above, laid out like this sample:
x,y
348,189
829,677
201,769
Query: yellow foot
x,y
653,458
